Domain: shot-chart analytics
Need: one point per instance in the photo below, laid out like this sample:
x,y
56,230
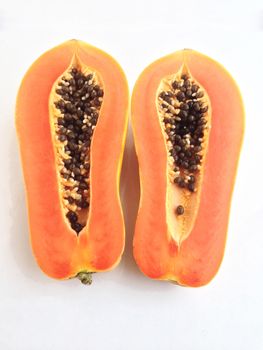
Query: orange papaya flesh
x,y
71,120
188,124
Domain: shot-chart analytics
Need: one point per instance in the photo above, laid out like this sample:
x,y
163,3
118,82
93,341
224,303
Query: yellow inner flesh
x,y
69,187
180,226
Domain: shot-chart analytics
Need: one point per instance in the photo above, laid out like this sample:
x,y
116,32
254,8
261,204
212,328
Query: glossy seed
x,y
180,210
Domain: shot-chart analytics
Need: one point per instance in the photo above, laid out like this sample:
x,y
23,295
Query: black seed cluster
x,y
185,120
79,102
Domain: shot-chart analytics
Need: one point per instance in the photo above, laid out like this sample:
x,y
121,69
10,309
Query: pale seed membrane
x,y
76,105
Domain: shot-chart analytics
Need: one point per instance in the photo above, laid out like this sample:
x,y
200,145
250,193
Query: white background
x,y
123,309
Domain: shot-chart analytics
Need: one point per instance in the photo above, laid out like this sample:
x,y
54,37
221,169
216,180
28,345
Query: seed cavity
x,y
76,101
184,112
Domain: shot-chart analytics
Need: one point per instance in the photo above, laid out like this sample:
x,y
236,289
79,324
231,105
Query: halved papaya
x,y
71,120
188,124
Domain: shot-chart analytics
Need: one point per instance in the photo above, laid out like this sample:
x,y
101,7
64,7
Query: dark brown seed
x,y
182,143
184,130
62,138
180,96
177,138
77,227
198,158
187,83
184,77
67,161
81,137
191,128
70,127
62,130
80,82
199,94
198,148
196,107
202,121
80,113
175,85
65,89
184,106
97,102
76,171
185,165
67,117
72,146
188,92
182,155
71,135
178,161
204,109
193,167
177,148
72,216
188,154
69,106
84,204
61,121
93,94
180,210
191,187
191,118
100,93
59,91
79,178
195,88
183,114
167,99
192,179
83,186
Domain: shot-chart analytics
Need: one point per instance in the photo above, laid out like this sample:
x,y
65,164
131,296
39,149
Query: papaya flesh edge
x,y
59,251
159,253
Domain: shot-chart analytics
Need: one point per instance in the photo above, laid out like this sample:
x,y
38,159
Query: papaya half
x,y
188,124
71,121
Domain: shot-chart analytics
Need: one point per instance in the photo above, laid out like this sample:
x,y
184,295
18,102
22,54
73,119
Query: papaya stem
x,y
85,277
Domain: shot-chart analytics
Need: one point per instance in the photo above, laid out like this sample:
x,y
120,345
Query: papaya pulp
x,y
188,122
71,120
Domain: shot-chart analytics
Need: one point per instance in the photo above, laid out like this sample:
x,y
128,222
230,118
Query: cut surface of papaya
x,y
71,121
188,124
